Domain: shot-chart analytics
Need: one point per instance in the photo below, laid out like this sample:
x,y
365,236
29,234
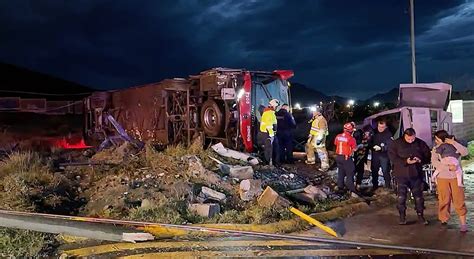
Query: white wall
x,y
463,130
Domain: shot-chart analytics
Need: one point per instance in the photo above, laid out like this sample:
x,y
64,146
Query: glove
x,y
377,148
271,139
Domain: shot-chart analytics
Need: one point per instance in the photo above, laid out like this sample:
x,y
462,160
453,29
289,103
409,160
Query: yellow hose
x,y
313,221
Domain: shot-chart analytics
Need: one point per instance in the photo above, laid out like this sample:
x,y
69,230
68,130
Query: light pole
x,y
412,38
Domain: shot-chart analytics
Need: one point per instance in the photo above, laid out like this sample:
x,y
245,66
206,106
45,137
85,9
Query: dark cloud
x,y
351,47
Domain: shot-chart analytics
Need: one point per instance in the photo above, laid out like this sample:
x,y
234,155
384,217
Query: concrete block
x,y
211,194
318,192
241,172
250,189
271,198
207,210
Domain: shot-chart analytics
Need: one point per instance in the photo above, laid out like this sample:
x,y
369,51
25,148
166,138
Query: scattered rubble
x,y
250,189
271,198
226,152
318,193
280,180
177,186
237,172
207,210
210,194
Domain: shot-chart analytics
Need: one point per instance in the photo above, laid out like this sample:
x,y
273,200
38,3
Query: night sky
x,y
345,47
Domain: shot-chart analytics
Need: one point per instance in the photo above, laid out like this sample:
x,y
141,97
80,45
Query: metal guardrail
x,y
428,171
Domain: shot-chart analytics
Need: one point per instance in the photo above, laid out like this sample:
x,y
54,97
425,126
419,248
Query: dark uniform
x,y
409,175
380,158
362,137
286,124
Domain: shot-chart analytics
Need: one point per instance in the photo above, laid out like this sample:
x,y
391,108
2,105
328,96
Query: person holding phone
x,y
408,155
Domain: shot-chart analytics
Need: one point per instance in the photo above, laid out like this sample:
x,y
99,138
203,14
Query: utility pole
x,y
412,38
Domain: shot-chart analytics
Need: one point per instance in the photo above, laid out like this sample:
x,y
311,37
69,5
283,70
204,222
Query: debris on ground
x,y
280,179
318,193
177,185
209,194
271,198
250,189
207,210
226,152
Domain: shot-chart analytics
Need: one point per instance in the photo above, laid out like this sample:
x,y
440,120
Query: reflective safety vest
x,y
345,144
319,126
268,121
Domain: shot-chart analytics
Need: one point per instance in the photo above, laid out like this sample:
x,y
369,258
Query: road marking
x,y
253,253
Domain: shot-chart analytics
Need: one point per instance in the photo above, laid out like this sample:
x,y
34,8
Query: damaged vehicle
x,y
422,107
219,105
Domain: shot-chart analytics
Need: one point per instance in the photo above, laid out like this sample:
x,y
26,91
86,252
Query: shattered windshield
x,y
277,89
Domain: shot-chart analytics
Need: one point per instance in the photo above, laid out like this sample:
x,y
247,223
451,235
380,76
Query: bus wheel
x,y
212,118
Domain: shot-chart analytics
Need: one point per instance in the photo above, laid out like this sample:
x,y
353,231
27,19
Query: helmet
x,y
274,102
349,127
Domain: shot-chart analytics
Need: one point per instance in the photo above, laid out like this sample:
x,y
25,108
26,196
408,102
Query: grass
x,y
168,212
470,147
22,243
26,184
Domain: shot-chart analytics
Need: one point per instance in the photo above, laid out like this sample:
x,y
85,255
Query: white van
x,y
420,106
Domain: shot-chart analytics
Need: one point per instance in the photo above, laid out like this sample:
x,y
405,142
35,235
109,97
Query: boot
x,y
422,219
403,218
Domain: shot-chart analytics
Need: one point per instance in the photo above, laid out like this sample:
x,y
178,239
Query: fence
x,y
17,104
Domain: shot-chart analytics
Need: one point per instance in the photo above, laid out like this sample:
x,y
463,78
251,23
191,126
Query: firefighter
x,y
345,146
408,154
317,141
286,124
266,134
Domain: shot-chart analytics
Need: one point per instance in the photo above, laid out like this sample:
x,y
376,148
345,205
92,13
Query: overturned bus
x,y
220,105
420,106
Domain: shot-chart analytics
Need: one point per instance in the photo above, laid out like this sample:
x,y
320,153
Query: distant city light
x,y
297,106
351,102
376,104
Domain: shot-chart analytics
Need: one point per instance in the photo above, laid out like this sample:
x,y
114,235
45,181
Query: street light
x,y
376,104
351,102
297,106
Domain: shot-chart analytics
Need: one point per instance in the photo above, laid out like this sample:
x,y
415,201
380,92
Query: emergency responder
x,y
286,124
266,134
379,147
345,147
408,154
362,137
317,141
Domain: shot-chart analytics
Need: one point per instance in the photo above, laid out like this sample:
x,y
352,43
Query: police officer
x,y
317,141
286,124
379,146
345,147
408,154
266,134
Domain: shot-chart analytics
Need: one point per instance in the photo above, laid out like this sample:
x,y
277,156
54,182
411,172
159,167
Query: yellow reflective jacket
x,y
319,127
268,121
